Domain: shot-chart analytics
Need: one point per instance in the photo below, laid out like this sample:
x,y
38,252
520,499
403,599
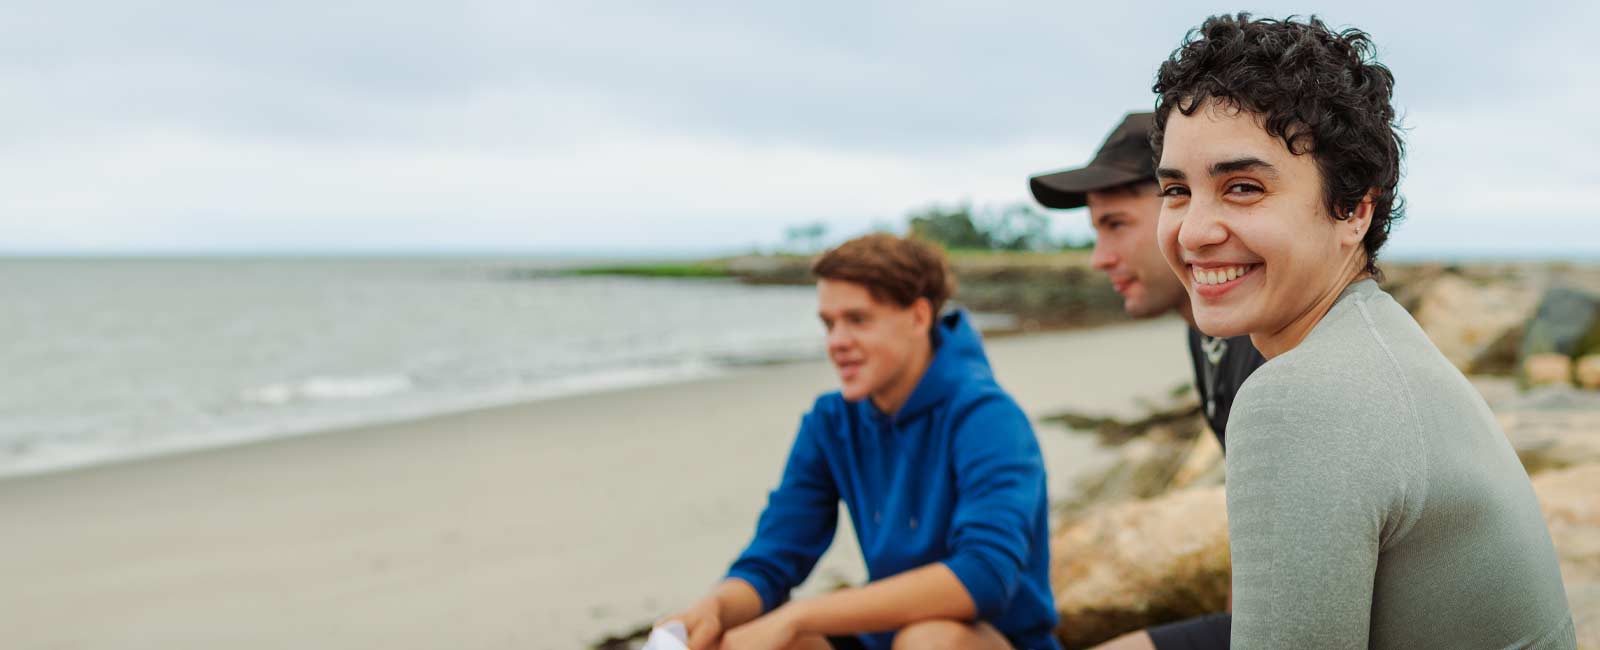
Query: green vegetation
x,y
708,269
1063,258
1015,227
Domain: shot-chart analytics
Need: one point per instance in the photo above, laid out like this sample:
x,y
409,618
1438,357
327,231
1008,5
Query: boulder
x,y
1567,322
1202,464
1408,283
1588,371
1551,427
1164,457
1550,441
1163,450
1125,567
1144,468
1477,325
1497,391
1547,369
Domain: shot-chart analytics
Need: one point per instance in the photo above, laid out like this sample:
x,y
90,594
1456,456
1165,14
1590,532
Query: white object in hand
x,y
671,635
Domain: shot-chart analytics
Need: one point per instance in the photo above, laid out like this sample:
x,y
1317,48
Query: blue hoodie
x,y
954,476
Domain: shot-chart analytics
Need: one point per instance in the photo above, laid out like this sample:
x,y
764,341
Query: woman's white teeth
x,y
1221,274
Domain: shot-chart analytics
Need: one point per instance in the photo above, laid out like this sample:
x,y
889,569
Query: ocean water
x,y
114,359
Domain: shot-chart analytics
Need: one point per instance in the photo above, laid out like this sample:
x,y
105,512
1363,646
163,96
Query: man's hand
x,y
731,603
703,620
775,631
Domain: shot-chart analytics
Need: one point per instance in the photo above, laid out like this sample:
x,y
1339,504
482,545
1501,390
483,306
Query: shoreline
x,y
545,524
587,383
592,383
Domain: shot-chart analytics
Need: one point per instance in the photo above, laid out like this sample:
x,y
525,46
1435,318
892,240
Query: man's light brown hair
x,y
896,270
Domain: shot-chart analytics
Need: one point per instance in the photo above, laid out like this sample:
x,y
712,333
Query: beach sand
x,y
539,525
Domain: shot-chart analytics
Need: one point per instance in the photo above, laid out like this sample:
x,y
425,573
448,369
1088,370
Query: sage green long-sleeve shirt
x,y
1373,501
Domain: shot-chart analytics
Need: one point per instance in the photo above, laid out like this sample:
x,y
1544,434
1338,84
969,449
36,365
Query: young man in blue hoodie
x,y
938,467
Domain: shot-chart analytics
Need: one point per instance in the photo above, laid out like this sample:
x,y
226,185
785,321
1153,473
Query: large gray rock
x,y
1567,322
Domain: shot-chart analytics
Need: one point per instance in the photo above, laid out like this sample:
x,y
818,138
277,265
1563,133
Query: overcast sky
x,y
590,126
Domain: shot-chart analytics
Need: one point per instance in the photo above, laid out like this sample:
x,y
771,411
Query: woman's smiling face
x,y
1245,226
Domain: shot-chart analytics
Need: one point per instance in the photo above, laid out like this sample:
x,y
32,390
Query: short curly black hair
x,y
1322,91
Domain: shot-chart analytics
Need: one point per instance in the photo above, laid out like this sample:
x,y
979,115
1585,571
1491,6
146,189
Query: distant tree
x,y
1015,227
1018,227
806,237
952,227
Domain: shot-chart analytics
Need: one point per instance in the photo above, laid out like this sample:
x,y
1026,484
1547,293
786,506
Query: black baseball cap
x,y
1126,157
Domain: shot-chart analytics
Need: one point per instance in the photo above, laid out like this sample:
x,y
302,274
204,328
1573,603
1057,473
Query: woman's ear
x,y
1357,220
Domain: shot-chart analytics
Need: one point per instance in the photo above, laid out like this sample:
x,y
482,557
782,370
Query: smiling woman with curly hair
x,y
1373,501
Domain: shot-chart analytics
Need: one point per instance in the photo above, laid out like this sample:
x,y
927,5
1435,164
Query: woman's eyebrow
x,y
1247,163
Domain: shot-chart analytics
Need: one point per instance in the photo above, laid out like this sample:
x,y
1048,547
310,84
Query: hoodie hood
x,y
957,359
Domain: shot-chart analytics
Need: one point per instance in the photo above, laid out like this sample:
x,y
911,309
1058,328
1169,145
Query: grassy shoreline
x,y
707,269
1052,290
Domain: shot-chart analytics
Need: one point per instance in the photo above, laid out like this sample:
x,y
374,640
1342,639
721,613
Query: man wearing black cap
x,y
1119,187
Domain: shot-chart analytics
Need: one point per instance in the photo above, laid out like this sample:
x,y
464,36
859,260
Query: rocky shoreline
x,y
1145,542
